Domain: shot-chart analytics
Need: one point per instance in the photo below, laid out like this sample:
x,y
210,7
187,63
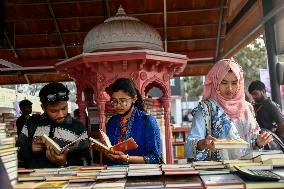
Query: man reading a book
x,y
59,126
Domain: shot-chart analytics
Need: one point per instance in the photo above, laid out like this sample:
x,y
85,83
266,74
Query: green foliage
x,y
252,58
281,58
191,87
33,89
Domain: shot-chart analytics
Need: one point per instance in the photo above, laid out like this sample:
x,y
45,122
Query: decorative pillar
x,y
82,108
101,101
166,101
81,105
270,44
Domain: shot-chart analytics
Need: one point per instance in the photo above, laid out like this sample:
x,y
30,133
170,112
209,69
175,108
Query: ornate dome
x,y
122,31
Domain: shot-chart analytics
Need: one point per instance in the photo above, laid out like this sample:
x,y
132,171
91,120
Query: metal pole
x,y
165,26
57,28
267,17
106,9
219,30
271,51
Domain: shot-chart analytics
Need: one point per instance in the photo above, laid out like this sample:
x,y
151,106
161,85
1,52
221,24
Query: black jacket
x,y
64,133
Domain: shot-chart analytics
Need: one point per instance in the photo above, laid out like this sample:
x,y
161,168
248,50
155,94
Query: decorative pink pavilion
x,y
123,47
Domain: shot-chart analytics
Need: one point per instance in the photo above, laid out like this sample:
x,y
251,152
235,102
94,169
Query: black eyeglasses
x,y
60,96
122,101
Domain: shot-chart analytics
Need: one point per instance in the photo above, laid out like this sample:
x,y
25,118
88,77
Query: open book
x,y
128,144
49,142
228,144
256,153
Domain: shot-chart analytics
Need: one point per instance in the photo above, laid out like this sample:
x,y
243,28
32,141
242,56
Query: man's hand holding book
x,y
37,144
59,159
54,152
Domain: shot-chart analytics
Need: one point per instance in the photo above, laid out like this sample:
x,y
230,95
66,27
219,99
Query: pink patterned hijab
x,y
235,107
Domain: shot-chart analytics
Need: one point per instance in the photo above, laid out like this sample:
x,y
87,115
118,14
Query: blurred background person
x,y
268,113
26,110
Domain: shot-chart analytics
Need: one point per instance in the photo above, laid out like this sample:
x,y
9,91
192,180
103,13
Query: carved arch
x,y
161,85
107,83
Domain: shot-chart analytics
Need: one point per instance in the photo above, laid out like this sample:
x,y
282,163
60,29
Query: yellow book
x,y
180,151
266,185
229,165
6,150
51,185
236,161
265,157
230,144
274,161
25,185
30,178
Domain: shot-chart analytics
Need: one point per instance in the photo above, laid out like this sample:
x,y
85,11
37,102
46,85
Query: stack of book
x,y
109,184
228,181
144,170
90,170
275,162
266,157
179,169
8,153
10,121
142,176
256,153
113,172
233,163
230,144
208,165
154,107
145,182
182,182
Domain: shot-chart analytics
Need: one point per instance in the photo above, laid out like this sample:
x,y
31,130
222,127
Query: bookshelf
x,y
179,135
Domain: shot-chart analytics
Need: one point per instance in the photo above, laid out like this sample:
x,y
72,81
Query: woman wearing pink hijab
x,y
224,108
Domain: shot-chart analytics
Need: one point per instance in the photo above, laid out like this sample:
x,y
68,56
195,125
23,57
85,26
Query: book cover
x,y
184,181
26,185
128,144
49,142
145,182
59,184
206,163
6,150
222,180
209,167
230,165
276,162
31,178
230,144
261,185
181,172
255,153
215,172
110,184
265,157
80,185
4,178
266,184
25,170
8,140
175,166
